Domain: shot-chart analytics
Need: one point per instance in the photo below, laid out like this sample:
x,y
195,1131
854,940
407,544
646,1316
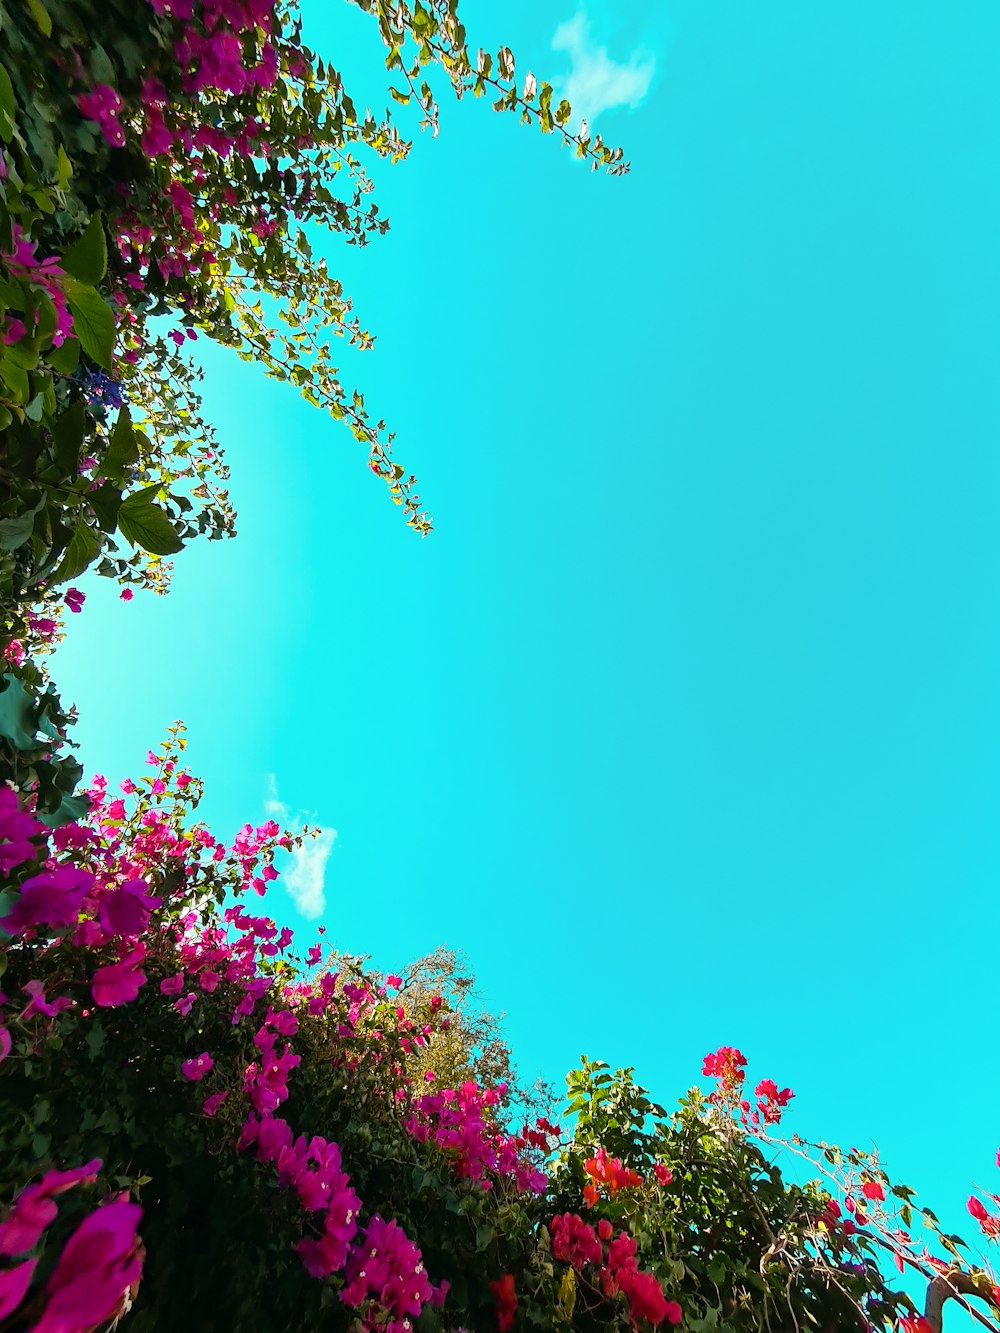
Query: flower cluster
x,y
462,1121
97,1267
771,1101
607,1174
577,1243
727,1064
989,1222
45,276
385,1279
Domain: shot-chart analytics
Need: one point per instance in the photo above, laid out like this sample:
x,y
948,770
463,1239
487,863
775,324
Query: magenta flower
x,y
197,1067
103,105
52,898
211,1104
33,1208
75,599
126,910
38,1004
99,1263
4,1044
118,983
13,1286
17,828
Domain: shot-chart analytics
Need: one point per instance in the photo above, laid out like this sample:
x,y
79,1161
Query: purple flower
x,y
38,1004
196,1068
119,983
125,910
99,1263
52,898
14,1285
17,828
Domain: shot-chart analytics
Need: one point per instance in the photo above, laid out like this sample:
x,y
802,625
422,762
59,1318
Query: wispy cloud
x,y
596,82
305,877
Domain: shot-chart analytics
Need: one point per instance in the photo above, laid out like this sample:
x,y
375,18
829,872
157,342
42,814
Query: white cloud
x,y
596,82
305,876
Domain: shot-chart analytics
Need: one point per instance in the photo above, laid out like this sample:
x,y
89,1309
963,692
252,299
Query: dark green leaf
x,y
105,502
17,718
83,549
93,322
122,451
145,524
87,258
64,359
67,439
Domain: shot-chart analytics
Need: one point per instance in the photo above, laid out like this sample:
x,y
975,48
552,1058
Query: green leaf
x,y
123,449
87,258
8,106
41,16
67,439
145,524
106,501
83,549
64,359
15,532
70,810
17,718
93,322
64,168
95,1040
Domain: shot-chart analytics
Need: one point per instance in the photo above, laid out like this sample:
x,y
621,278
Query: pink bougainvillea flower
x,y
52,898
23,1228
75,599
126,909
14,1284
17,829
197,1067
574,1241
14,330
33,1208
99,1263
211,1104
38,1004
126,594
871,1189
4,1044
119,983
663,1174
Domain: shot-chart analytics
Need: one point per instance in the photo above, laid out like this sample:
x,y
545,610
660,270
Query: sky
x,y
684,723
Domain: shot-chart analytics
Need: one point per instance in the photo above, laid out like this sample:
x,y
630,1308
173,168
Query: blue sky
x,y
684,722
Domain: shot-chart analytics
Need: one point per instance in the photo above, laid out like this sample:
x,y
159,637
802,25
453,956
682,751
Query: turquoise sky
x,y
684,723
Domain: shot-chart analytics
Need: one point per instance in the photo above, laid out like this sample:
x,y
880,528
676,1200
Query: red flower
x,y
915,1324
726,1064
871,1189
506,1299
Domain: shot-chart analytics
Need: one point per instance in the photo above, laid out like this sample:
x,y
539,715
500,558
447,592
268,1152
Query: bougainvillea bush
x,y
204,1123
208,1126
